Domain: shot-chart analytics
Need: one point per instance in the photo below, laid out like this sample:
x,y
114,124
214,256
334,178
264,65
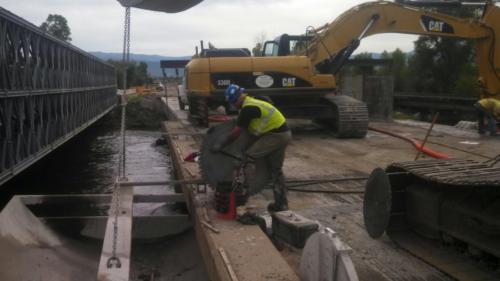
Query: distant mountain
x,y
153,61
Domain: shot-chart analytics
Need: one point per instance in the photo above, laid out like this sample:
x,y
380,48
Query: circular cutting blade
x,y
377,203
218,167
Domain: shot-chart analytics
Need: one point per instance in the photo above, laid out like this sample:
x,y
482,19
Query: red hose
x,y
218,118
416,144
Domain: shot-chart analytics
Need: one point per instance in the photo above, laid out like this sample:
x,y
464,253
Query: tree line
x,y
137,72
438,65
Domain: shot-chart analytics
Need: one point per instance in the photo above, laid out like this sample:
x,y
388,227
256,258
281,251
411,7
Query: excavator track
x,y
350,117
444,212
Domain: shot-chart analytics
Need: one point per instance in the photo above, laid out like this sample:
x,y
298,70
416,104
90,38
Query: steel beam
x,y
118,240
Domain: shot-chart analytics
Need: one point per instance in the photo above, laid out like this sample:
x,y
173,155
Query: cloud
x,y
97,25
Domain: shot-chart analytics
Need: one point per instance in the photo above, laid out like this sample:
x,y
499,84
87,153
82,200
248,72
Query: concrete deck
x,y
250,253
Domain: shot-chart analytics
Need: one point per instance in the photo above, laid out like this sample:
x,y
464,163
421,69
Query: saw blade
x,y
218,167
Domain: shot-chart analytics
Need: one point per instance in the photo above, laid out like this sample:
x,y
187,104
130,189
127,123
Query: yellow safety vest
x,y
491,105
270,117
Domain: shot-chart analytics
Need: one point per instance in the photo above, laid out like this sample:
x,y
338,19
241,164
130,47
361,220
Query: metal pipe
x,y
372,21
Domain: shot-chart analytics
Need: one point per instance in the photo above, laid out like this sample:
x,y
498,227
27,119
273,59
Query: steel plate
x,y
377,203
168,6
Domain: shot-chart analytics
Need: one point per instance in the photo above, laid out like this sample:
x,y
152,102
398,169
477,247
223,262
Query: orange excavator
x,y
299,76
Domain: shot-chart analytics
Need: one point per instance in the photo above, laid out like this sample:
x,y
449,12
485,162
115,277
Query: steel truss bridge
x,y
49,92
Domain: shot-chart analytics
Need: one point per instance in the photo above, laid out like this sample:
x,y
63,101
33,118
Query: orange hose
x,y
416,144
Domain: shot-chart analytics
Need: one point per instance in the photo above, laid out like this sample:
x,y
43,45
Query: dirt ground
x,y
316,154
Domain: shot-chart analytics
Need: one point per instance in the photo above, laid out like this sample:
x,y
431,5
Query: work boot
x,y
279,191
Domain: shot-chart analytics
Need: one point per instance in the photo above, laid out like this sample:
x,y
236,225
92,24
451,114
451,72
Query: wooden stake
x,y
209,226
434,119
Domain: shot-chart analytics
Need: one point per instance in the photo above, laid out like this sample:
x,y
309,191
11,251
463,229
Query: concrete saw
x,y
218,167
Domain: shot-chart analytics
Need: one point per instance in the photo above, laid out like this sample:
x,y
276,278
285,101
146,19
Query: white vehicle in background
x,y
181,95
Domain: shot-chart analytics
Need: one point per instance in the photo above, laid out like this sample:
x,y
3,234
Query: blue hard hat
x,y
232,93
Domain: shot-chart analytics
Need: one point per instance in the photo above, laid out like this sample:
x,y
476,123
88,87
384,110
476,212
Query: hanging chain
x,y
114,260
125,62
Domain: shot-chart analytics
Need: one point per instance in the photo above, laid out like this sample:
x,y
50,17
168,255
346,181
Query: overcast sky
x,y
97,25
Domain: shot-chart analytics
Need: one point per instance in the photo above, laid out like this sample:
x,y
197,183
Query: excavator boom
x,y
303,85
334,43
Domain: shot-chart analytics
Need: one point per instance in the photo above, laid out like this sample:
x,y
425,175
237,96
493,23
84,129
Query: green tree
x,y
141,74
399,70
443,64
385,55
364,55
257,50
57,26
384,70
259,39
366,69
439,62
137,73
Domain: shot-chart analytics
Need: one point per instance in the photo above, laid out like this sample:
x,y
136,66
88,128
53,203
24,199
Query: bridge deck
x,y
315,154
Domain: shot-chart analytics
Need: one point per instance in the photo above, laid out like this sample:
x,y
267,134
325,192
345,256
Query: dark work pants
x,y
269,154
482,113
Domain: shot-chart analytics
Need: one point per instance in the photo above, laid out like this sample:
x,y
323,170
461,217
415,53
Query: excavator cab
x,y
286,45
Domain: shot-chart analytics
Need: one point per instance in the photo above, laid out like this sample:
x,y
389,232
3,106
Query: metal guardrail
x,y
49,91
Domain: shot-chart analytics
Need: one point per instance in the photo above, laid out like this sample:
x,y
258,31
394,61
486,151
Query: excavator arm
x,y
335,42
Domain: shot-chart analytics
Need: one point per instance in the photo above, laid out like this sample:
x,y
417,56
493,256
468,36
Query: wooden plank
x,y
227,262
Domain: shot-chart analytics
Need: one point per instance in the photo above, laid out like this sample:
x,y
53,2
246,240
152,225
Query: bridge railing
x,y
49,91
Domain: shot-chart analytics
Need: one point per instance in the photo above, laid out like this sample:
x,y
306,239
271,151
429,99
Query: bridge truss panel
x,y
49,92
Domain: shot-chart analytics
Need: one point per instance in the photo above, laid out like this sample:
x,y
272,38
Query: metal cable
x,y
493,161
336,191
114,260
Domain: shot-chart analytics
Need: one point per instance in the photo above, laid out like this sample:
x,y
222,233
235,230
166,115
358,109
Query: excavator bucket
x,y
167,6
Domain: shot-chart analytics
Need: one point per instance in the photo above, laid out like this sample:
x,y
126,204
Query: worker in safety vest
x,y
483,90
488,108
268,125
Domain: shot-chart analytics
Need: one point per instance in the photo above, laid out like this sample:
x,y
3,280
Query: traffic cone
x,y
231,212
